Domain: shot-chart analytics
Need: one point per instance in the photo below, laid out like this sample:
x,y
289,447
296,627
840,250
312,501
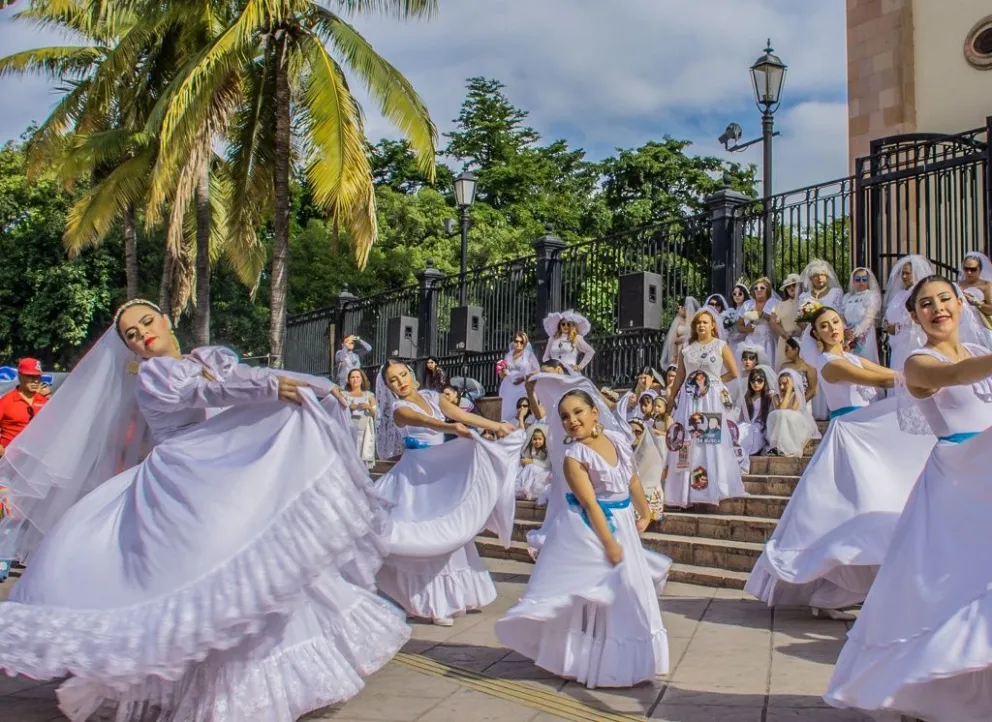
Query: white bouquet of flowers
x,y
729,318
751,317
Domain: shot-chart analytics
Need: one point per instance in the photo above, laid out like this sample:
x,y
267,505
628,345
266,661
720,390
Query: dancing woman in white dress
x,y
590,611
702,465
213,581
821,287
837,526
921,645
566,340
904,335
521,362
441,495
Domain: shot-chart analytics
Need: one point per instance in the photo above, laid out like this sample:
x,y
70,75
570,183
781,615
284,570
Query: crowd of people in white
x,y
203,540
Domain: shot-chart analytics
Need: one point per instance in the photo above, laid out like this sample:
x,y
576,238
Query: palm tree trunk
x,y
203,255
165,286
130,253
280,243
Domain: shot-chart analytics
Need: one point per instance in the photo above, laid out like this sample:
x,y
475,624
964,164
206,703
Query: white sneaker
x,y
444,621
834,614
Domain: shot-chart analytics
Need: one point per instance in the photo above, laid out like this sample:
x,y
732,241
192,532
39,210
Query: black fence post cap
x,y
429,273
549,239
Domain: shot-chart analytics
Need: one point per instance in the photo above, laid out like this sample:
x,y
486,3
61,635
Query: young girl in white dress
x,y
904,335
223,577
821,287
861,307
362,407
702,465
757,320
921,645
790,425
590,612
520,363
837,526
759,400
441,495
535,466
566,340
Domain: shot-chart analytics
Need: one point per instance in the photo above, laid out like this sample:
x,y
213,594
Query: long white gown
x,y
580,617
440,496
837,526
922,645
762,335
706,469
214,580
908,336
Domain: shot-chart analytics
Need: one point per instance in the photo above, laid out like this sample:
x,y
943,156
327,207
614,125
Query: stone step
x,y
736,556
685,573
779,465
770,485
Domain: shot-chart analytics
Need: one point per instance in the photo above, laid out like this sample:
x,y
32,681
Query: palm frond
x,y
338,167
246,259
400,9
48,142
394,94
93,216
58,62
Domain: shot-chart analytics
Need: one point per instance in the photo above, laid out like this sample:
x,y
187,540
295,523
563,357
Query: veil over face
x,y
921,268
816,267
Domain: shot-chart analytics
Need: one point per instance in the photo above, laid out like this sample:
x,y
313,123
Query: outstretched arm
x,y
843,370
469,419
925,375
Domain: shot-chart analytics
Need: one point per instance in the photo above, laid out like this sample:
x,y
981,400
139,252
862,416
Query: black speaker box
x,y
640,301
467,324
401,337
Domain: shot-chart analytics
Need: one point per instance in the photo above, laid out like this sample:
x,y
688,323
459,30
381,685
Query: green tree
x,y
273,57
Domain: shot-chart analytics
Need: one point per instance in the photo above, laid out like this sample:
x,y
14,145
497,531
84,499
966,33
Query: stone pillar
x,y
549,288
727,260
427,313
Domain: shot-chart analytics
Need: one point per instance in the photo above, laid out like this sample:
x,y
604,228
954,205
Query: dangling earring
x,y
597,429
133,366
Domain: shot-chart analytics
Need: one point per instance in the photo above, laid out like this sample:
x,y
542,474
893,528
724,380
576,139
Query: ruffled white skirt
x,y
220,580
838,524
922,644
789,431
584,619
441,498
533,481
510,394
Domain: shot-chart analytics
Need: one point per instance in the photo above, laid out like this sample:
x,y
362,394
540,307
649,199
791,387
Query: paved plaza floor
x,y
733,660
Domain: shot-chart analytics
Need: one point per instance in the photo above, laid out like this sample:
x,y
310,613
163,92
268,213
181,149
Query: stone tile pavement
x,y
732,659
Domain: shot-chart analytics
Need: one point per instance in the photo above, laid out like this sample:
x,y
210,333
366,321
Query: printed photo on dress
x,y
683,460
735,432
698,385
700,479
675,437
713,429
725,398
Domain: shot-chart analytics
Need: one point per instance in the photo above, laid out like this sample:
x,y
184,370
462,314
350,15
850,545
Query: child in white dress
x,y
590,611
535,467
790,425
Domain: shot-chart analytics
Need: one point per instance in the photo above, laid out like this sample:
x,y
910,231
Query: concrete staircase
x,y
715,548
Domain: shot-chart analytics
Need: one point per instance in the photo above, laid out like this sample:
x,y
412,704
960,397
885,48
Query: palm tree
x,y
273,54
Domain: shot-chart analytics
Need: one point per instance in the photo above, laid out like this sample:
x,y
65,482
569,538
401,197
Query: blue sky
x,y
600,73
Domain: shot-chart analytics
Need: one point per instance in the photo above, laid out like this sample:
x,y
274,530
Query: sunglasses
x,y
861,279
761,288
518,340
971,269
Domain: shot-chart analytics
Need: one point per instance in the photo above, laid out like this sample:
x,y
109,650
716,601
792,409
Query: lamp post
x,y
768,78
464,198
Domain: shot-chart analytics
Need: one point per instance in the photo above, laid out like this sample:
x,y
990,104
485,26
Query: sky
x,y
601,74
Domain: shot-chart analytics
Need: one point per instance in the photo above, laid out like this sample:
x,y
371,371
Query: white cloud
x,y
604,73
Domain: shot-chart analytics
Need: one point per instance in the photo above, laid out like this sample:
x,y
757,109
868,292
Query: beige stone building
x,y
917,66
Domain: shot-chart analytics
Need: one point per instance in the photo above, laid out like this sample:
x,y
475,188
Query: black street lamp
x,y
464,198
768,77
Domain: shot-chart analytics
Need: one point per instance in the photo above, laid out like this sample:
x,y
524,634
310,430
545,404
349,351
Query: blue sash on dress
x,y
958,437
411,443
606,506
843,410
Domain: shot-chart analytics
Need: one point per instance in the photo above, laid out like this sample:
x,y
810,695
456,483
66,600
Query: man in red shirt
x,y
19,405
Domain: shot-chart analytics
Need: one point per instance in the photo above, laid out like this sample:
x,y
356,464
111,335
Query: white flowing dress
x,y
922,644
581,617
762,335
908,336
213,580
706,469
534,479
441,495
837,526
510,392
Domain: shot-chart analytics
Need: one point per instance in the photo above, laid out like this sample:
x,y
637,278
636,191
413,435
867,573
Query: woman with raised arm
x,y
440,496
223,577
520,362
837,526
921,645
566,340
702,465
904,335
590,611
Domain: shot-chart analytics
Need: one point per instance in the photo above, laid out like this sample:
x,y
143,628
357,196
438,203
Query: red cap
x,y
29,367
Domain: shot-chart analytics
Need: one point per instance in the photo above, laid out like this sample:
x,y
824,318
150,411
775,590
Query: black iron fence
x,y
926,194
